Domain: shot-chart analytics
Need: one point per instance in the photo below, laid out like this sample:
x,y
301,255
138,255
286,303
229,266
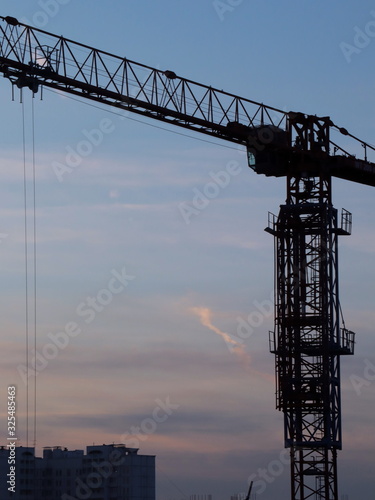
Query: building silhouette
x,y
201,497
107,472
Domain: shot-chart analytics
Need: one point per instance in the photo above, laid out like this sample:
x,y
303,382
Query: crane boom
x,y
32,57
277,141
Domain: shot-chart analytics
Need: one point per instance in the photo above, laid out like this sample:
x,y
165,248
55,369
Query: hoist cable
x,y
131,118
35,261
30,298
26,271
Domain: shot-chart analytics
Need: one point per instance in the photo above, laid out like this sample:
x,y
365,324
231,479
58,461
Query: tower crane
x,y
308,338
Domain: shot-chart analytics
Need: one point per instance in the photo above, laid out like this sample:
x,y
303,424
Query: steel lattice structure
x,y
309,337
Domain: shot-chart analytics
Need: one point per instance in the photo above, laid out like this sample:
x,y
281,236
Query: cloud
x,y
234,345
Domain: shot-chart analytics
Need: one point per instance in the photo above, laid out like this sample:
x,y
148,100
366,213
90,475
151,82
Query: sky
x,y
151,328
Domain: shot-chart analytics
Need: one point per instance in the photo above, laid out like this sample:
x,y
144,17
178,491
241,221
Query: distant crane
x,y
249,491
309,336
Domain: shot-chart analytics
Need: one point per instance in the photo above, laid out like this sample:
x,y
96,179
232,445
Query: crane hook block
x,y
12,21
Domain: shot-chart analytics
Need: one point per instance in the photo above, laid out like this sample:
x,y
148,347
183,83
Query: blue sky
x,y
187,322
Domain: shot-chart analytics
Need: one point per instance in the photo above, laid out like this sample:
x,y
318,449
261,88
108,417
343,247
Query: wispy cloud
x,y
205,316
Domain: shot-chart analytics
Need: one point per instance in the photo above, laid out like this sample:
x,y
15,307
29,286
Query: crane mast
x,y
309,337
309,334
